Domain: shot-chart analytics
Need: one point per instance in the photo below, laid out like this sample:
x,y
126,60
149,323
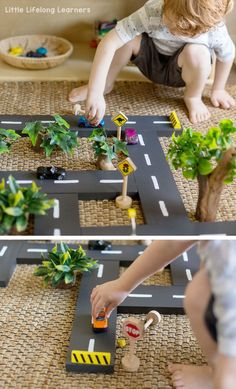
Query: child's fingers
x,y
97,307
109,309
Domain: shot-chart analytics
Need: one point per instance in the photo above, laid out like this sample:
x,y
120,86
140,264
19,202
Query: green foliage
x,y
55,135
6,136
101,144
17,203
196,153
63,264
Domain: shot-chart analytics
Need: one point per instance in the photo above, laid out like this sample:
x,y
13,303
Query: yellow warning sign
x,y
175,121
90,358
120,119
126,167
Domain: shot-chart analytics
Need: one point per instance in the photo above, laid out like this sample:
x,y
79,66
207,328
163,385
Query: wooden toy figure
x,y
132,216
119,119
134,330
126,167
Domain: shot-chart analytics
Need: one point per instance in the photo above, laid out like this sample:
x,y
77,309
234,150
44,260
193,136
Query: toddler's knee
x,y
192,303
197,56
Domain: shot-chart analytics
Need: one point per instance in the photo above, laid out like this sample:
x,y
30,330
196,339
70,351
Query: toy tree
x,y
211,159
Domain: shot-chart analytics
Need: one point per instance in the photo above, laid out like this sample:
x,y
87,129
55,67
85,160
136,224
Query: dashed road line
x,y
178,296
185,256
163,208
56,209
91,345
141,141
3,250
110,181
111,252
10,122
25,182
189,274
140,252
37,250
130,122
161,122
147,158
47,121
155,182
66,181
136,295
100,271
57,232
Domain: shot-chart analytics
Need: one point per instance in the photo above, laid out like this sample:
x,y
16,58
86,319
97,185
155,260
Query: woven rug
x,y
36,325
138,98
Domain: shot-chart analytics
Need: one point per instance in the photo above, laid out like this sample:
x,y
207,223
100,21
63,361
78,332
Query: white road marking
x,y
163,208
111,252
37,250
6,122
140,252
178,296
3,250
161,122
148,162
57,232
185,256
140,295
47,121
141,141
100,271
22,182
56,209
66,181
110,181
155,182
189,274
91,345
130,122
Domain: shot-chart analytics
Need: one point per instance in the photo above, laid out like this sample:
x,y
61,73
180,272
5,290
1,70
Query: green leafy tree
x,y
6,138
210,158
18,203
62,265
104,146
55,135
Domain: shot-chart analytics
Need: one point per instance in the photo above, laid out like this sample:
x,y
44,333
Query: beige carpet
x,y
132,98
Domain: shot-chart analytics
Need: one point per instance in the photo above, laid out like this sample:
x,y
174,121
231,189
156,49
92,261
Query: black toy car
x,y
99,245
50,173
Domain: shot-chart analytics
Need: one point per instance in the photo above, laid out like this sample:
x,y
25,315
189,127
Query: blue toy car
x,y
84,123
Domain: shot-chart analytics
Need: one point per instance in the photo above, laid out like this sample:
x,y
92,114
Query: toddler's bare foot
x,y
80,93
191,377
198,111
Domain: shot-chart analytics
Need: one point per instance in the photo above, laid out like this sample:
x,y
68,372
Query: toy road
x,y
95,352
152,184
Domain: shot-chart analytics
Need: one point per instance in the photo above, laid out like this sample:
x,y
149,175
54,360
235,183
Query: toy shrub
x,y
211,159
52,137
62,265
106,149
6,139
18,203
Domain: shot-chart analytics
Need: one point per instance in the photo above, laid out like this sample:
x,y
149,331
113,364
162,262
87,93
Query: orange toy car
x,y
100,323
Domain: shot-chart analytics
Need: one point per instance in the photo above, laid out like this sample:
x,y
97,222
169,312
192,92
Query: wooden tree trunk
x,y
210,188
104,163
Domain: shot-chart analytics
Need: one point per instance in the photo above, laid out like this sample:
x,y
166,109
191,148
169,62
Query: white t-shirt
x,y
219,258
149,19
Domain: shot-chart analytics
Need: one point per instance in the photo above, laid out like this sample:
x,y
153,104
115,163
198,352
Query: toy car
x,y
131,136
84,123
50,173
99,245
100,323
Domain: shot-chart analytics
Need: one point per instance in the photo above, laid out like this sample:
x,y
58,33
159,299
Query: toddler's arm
x,y
156,256
95,104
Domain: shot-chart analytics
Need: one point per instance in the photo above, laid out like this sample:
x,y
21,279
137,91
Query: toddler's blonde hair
x,y
192,17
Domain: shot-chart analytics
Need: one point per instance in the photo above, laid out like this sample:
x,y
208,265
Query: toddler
x,y
210,304
172,42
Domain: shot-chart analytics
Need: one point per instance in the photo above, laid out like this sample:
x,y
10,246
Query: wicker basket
x,y
59,50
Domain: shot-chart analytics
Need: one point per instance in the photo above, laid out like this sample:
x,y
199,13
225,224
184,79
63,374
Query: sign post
x,y
126,167
133,330
119,119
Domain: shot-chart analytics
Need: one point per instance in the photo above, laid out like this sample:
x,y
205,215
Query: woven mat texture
x,y
135,98
36,325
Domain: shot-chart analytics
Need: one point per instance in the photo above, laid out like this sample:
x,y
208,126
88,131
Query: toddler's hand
x,y
107,295
222,99
95,108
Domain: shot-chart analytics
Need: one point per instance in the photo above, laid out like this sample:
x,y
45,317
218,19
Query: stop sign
x,y
133,328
